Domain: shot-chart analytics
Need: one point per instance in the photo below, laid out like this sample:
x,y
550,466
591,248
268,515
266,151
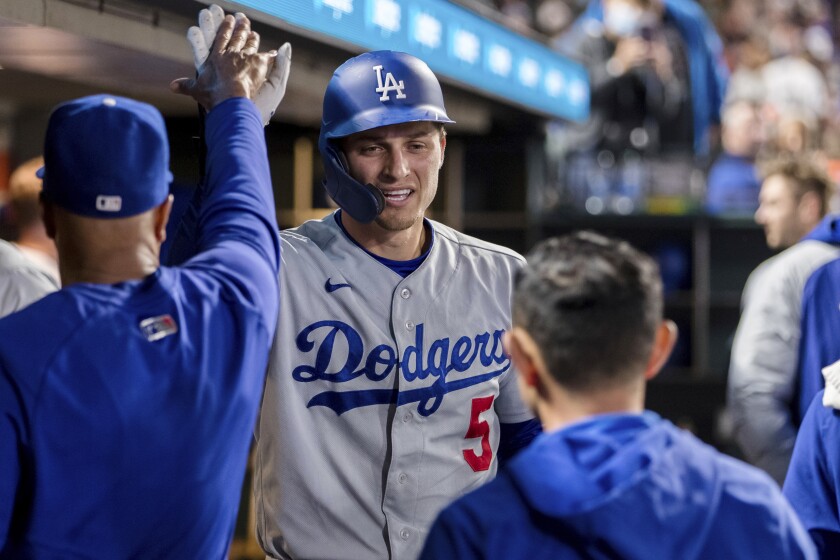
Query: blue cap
x,y
106,157
380,88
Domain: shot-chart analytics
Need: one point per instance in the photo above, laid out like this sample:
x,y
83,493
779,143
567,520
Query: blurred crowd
x,y
720,86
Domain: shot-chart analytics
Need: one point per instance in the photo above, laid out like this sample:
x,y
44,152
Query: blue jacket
x,y
621,486
813,481
820,323
707,69
126,410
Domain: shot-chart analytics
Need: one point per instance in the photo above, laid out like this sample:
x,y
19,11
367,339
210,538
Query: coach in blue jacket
x,y
127,398
607,479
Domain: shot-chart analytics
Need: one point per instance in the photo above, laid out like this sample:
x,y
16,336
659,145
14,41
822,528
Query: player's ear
x,y
162,212
663,344
520,347
810,207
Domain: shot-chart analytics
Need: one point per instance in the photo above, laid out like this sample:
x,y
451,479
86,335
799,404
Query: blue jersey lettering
x,y
415,363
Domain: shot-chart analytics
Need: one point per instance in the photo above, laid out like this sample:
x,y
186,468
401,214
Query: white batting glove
x,y
271,93
201,38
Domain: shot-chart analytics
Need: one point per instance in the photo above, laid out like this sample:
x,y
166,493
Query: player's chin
x,y
391,221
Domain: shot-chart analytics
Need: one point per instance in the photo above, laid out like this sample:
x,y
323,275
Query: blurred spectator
x,y
518,14
793,85
733,182
552,17
30,235
762,373
791,132
657,74
747,80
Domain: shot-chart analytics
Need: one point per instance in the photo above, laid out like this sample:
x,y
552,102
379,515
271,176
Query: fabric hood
x,y
652,497
828,230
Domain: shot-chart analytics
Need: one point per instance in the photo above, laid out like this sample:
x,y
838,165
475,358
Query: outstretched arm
x,y
231,226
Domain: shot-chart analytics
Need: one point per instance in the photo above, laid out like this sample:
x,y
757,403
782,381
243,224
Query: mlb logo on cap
x,y
109,203
106,157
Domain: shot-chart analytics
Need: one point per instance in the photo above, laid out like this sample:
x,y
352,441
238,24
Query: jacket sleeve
x,y
811,485
762,371
230,228
820,322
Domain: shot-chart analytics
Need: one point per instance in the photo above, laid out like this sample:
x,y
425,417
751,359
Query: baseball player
x,y
388,392
128,396
608,479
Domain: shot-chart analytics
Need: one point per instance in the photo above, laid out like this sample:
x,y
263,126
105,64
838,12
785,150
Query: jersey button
x,y
407,417
405,293
403,478
409,325
404,534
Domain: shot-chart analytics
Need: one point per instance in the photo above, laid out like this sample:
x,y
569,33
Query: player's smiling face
x,y
402,161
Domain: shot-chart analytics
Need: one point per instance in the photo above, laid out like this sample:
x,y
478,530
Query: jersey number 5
x,y
479,428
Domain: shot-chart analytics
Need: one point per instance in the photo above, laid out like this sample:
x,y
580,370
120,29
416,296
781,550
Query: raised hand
x,y
233,67
201,39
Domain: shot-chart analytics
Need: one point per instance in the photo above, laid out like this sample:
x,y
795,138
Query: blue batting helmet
x,y
374,89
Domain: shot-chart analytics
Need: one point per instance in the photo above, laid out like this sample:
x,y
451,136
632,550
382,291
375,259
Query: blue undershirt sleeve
x,y
515,437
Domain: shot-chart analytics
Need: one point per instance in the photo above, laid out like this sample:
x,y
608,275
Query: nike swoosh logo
x,y
330,287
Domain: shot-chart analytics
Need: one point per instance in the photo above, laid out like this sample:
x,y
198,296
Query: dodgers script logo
x,y
442,358
390,84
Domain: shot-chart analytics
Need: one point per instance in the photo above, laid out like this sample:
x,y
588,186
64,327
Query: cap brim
x,y
40,172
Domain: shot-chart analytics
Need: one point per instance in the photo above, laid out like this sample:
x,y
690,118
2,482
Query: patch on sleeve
x,y
155,328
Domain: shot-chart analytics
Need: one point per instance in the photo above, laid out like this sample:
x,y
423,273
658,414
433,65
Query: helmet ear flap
x,y
362,202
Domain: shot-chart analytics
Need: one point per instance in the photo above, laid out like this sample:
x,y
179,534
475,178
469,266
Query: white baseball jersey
x,y
21,281
384,394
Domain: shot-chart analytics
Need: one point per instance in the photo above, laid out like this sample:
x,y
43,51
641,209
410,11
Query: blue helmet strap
x,y
362,202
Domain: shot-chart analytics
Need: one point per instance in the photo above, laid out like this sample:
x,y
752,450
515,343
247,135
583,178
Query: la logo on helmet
x,y
391,84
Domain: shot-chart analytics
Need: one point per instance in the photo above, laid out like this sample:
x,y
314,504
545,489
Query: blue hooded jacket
x,y
621,486
704,50
813,481
820,321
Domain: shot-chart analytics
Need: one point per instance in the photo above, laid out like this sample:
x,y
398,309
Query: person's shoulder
x,y
824,277
804,256
716,467
30,337
26,283
826,420
55,311
311,233
470,244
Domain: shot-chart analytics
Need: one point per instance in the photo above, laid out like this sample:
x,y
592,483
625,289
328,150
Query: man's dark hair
x,y
593,305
